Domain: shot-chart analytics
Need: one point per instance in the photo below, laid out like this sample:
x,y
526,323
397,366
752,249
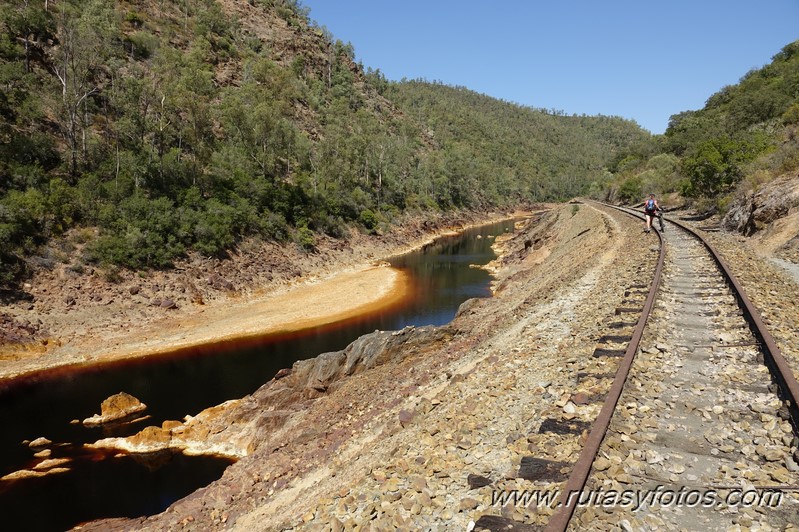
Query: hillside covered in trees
x,y
744,135
519,152
148,129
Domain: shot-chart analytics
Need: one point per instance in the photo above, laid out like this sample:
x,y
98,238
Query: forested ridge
x,y
144,130
746,134
521,152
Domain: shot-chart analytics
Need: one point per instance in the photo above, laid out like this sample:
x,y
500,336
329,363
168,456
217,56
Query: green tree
x,y
631,190
716,165
30,23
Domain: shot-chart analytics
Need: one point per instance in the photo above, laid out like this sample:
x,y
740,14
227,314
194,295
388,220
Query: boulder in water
x,y
115,408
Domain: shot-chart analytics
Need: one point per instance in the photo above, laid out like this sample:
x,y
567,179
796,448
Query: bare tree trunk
x,y
380,175
379,186
84,126
116,172
330,70
27,54
315,171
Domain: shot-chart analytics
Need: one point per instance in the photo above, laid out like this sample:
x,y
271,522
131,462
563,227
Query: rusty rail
x,y
582,468
778,366
781,372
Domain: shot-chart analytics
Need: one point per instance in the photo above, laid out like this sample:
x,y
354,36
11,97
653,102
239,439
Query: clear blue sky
x,y
639,59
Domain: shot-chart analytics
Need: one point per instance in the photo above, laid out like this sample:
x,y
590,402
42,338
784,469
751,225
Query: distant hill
x,y
177,126
747,130
516,151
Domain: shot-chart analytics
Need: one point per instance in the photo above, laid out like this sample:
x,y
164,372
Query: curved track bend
x,y
696,432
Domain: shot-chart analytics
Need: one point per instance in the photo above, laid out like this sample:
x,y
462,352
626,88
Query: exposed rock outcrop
x,y
237,428
20,332
754,210
116,408
311,377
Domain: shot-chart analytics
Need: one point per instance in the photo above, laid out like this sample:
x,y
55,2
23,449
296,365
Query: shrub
x,y
686,188
142,233
83,235
11,264
368,219
143,44
630,190
214,228
112,274
306,238
62,206
791,115
273,226
716,165
333,226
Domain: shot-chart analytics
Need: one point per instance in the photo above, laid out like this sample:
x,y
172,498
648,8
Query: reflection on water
x,y
187,382
104,486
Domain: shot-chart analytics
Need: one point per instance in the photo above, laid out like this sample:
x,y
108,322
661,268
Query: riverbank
x,y
86,319
339,297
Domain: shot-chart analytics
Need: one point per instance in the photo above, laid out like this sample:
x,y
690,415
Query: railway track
x,y
699,427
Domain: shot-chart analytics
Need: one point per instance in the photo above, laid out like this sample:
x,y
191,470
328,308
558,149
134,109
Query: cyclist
x,y
651,208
